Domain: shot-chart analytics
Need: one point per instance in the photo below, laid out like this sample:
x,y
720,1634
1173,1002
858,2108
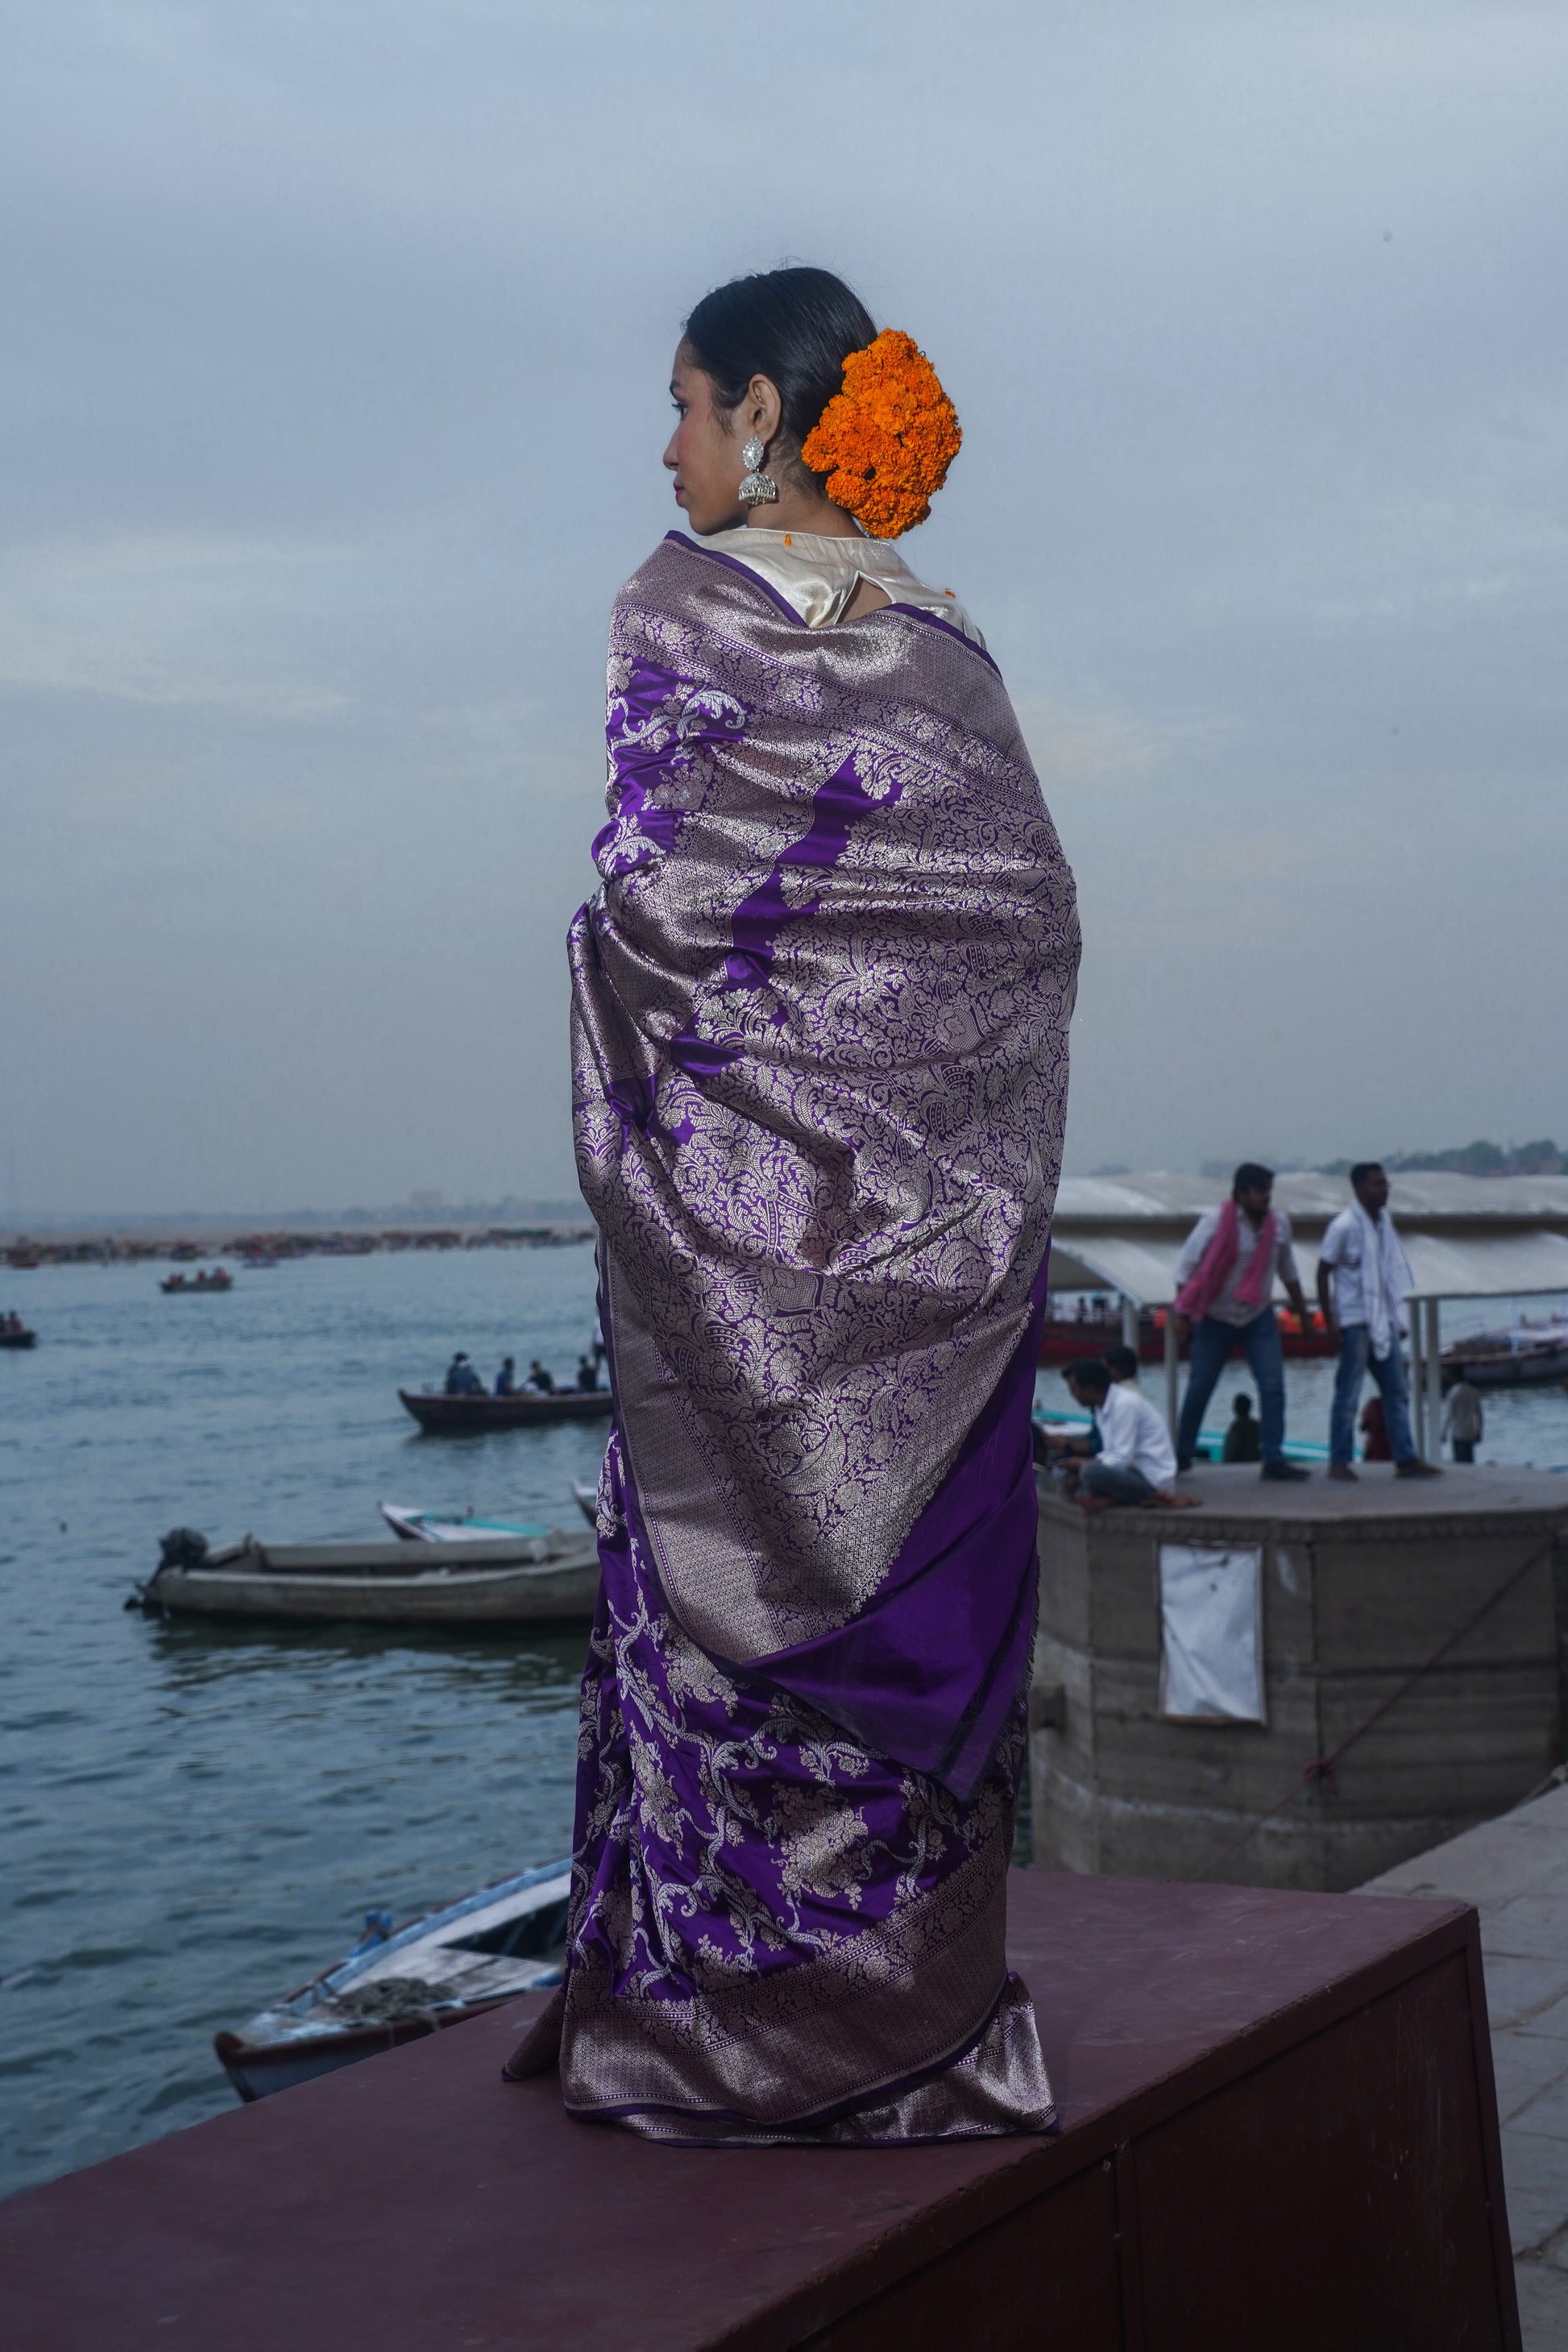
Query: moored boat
x,y
439,1414
1528,1355
399,1984
552,1578
454,1527
1065,1339
587,1498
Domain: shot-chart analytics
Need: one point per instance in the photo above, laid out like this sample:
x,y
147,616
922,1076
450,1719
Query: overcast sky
x,y
336,335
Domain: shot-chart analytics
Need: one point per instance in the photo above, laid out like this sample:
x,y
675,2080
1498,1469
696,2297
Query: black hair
x,y
1362,1170
1121,1362
1242,1405
1251,1178
1089,1372
796,327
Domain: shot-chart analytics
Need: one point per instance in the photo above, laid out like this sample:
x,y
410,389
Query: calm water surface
x,y
192,1820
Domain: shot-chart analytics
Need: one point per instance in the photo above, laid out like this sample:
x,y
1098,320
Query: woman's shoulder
x,y
817,575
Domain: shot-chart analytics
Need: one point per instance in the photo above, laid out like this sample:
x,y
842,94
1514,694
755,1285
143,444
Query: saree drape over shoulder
x,y
819,1030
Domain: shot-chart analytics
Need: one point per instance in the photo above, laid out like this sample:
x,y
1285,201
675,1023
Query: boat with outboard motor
x,y
548,1576
400,1984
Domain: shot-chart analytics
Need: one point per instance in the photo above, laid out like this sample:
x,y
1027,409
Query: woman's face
x,y
704,452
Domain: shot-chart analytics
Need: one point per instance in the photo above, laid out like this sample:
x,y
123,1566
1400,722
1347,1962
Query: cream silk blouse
x,y
817,576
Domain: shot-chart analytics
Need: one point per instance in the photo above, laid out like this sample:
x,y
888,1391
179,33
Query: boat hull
x,y
257,2069
397,1584
441,1416
400,1985
1543,1368
1064,1343
18,1339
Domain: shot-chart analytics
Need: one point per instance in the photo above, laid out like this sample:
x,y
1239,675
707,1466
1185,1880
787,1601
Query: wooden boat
x,y
18,1339
587,1500
1061,1342
180,1285
1529,1355
440,1416
453,1527
549,1579
400,1984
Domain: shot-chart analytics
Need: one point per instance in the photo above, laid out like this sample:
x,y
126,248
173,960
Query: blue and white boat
x,y
401,1983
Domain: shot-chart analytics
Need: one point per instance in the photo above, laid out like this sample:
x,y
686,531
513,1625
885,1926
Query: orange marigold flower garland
x,y
887,440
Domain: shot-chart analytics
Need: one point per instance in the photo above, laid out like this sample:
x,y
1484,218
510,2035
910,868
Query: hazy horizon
x,y
338,348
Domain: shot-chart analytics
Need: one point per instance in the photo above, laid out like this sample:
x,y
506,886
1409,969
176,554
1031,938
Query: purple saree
x,y
820,1016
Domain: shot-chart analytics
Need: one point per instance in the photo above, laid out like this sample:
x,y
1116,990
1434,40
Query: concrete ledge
x,y
1280,2130
1515,1870
1361,1584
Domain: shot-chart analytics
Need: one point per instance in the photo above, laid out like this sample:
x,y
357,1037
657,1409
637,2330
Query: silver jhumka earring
x,y
757,488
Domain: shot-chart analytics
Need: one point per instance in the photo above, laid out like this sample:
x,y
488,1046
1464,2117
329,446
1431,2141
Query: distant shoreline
x,y
21,1251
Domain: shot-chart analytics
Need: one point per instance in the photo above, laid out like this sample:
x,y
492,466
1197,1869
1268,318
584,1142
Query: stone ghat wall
x,y
1360,1586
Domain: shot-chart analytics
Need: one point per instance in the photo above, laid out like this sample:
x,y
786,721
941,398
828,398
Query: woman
x,y
820,1010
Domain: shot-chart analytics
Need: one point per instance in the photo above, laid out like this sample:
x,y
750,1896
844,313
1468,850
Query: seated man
x,y
1242,1439
461,1377
1136,1462
587,1375
540,1379
1055,1445
505,1379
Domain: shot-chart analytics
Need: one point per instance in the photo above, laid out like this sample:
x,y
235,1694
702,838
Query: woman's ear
x,y
764,409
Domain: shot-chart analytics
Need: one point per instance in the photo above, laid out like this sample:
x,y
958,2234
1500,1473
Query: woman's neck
x,y
802,509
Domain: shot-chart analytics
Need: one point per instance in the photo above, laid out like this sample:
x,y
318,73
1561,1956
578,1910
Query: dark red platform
x,y
1280,2132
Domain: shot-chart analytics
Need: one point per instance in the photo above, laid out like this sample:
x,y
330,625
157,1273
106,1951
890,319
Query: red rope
x,y
1323,1768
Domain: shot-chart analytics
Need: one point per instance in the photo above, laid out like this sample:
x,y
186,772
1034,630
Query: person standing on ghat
x,y
820,1010
1224,1279
1465,1420
1363,1277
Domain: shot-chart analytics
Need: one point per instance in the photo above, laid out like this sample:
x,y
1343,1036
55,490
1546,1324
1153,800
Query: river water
x,y
194,1819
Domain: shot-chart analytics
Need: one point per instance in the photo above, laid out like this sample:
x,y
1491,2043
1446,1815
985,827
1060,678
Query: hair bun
x,y
885,441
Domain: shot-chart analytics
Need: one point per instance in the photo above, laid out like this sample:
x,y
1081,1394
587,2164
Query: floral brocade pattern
x,y
724,1829
820,1038
743,1870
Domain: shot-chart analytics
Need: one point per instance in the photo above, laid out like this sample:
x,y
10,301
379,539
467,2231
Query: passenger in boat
x,y
461,1377
1241,1439
1464,1420
539,1380
1136,1462
505,1379
588,1376
1226,1278
1363,1278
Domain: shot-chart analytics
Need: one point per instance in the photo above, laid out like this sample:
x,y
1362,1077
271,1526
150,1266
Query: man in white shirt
x,y
1136,1462
1363,1277
1225,1294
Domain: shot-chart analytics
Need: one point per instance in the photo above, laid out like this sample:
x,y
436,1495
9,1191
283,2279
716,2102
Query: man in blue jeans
x,y
1225,1278
1363,1277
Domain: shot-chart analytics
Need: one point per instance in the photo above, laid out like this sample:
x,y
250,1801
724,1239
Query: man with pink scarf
x,y
1225,1292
